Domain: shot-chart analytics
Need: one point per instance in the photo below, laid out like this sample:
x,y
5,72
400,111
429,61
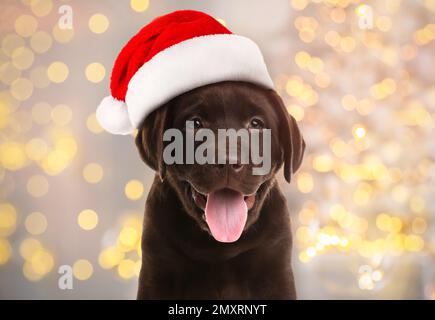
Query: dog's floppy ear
x,y
291,140
149,140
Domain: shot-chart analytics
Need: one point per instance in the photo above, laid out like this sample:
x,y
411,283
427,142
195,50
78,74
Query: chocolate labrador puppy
x,y
188,252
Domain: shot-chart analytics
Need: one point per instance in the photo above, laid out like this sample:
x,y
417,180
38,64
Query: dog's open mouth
x,y
225,212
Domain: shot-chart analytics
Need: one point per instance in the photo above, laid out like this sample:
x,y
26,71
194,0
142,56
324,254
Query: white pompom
x,y
112,115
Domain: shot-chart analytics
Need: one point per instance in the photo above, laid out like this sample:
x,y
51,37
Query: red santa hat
x,y
174,54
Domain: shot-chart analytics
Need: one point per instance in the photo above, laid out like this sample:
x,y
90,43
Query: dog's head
x,y
223,199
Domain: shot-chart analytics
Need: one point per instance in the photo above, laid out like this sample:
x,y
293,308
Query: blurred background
x,y
357,75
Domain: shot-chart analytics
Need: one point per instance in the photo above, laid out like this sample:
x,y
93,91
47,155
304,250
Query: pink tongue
x,y
226,213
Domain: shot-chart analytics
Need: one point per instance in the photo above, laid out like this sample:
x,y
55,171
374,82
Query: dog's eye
x,y
197,124
256,124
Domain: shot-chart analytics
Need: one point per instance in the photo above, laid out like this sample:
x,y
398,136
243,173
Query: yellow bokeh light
x,y
299,4
12,156
28,247
303,59
296,111
365,106
87,219
5,251
332,38
126,269
347,44
10,42
55,162
305,182
307,215
430,5
400,194
323,163
134,189
41,8
362,194
338,212
387,223
22,58
384,23
417,204
359,131
95,72
110,257
316,65
303,257
339,147
311,252
128,237
26,25
82,269
338,15
139,5
98,23
66,144
419,225
323,80
37,186
93,173
414,243
41,261
9,73
62,35
5,111
362,10
22,89
8,219
41,42
30,274
57,72
36,223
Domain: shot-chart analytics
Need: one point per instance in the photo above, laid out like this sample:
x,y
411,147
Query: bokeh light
x,y
87,219
26,25
82,269
8,219
93,173
41,42
41,8
57,72
62,36
95,72
37,186
134,189
98,23
139,5
36,223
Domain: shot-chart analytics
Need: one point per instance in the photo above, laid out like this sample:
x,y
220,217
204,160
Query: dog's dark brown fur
x,y
181,259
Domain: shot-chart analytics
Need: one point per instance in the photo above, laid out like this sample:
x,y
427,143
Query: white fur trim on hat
x,y
191,64
112,115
